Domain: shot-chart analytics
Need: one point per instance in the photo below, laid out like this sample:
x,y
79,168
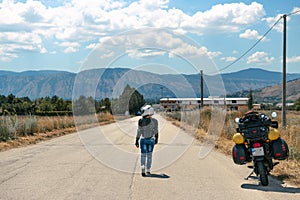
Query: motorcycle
x,y
257,140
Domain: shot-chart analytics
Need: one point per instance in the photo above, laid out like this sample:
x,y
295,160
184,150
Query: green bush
x,y
28,126
4,131
8,127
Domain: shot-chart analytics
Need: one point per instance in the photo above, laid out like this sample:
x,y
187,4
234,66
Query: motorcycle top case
x,y
280,149
239,154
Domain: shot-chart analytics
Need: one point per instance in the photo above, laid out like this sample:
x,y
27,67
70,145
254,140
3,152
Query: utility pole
x,y
284,75
201,88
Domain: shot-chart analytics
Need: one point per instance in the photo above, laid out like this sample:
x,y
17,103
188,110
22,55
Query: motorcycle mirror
x,y
237,120
274,114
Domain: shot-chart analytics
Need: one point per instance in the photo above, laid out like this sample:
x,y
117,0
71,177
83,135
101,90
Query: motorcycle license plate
x,y
258,151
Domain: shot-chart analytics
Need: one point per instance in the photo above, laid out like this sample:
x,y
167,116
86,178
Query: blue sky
x,y
163,36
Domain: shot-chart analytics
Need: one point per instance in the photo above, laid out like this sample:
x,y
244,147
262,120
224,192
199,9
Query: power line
x,y
293,13
254,45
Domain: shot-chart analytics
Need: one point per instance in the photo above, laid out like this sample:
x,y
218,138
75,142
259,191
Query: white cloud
x,y
108,55
70,50
71,47
189,50
10,13
228,59
260,58
12,43
251,35
212,54
43,50
155,42
69,44
78,18
296,11
279,26
92,5
293,59
229,17
141,53
6,55
21,38
271,21
83,21
20,24
91,46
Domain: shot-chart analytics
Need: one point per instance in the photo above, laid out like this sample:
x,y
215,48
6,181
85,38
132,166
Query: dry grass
x,y
289,169
16,131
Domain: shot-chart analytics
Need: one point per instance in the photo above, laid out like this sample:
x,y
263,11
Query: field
x,y
18,131
287,170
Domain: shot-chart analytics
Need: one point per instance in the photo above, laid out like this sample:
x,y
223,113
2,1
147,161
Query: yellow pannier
x,y
273,134
238,138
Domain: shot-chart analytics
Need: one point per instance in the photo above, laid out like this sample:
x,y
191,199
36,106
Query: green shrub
x,y
4,132
28,126
8,127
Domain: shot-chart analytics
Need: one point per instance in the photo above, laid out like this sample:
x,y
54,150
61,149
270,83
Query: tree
x,y
54,99
11,99
130,100
12,105
45,105
136,102
103,106
250,100
84,106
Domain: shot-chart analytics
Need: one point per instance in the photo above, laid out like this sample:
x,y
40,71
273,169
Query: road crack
x,y
131,186
15,174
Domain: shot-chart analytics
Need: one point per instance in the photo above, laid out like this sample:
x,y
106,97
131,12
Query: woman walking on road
x,y
147,133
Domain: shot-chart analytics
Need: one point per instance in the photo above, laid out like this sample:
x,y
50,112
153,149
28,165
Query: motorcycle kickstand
x,y
252,172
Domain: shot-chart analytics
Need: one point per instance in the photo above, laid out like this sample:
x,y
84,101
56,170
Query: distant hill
x,y
34,84
110,82
253,78
273,94
258,74
241,82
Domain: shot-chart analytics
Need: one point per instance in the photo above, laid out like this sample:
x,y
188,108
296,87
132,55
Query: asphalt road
x,y
103,163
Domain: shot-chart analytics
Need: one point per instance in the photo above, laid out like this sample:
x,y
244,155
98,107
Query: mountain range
x,y
110,83
273,94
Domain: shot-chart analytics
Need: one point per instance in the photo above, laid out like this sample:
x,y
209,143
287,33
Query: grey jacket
x,y
147,128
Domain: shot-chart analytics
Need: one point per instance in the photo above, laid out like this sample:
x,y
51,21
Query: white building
x,y
171,104
279,105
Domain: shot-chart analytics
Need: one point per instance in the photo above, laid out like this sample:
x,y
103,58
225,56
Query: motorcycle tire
x,y
263,176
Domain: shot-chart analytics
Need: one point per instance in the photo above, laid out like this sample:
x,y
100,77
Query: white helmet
x,y
147,110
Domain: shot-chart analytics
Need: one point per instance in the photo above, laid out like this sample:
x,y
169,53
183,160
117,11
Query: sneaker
x,y
148,172
143,170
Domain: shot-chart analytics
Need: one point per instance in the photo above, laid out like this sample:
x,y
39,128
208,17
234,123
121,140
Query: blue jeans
x,y
147,146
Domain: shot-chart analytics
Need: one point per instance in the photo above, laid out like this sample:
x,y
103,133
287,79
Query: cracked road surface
x,y
63,168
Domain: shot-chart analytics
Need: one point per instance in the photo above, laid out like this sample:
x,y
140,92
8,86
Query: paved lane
x,y
63,168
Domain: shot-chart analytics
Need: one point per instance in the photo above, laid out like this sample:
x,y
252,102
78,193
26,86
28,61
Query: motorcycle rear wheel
x,y
263,176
